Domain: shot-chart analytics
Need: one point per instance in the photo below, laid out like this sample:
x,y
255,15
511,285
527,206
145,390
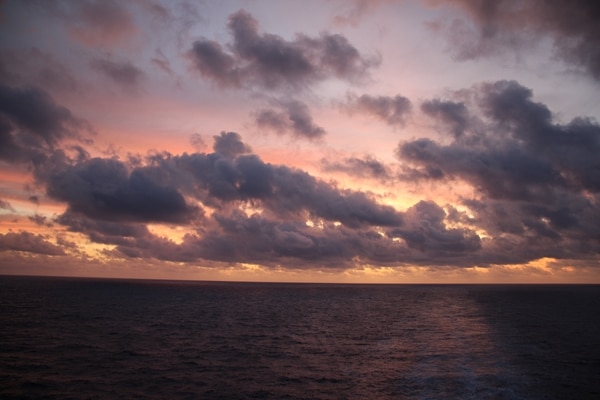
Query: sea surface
x,y
66,338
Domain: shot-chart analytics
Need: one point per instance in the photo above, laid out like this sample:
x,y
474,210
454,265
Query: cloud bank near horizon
x,y
532,200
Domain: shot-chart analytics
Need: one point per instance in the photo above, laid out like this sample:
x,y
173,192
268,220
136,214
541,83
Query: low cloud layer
x,y
538,181
29,243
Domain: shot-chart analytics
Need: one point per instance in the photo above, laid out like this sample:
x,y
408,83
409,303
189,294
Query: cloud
x,y
213,63
452,114
391,110
538,181
271,62
366,167
532,198
107,189
572,26
197,141
111,203
425,230
293,117
31,123
39,220
520,152
28,242
300,218
290,244
5,205
219,179
230,144
124,74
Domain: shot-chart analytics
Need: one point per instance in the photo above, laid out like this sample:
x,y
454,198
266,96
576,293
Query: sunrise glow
x,y
339,141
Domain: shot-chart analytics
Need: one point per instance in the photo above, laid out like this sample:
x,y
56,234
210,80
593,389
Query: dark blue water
x,y
101,339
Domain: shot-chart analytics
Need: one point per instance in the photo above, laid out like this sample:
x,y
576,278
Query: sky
x,y
354,141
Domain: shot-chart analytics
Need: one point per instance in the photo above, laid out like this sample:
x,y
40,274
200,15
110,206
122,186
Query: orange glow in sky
x,y
337,141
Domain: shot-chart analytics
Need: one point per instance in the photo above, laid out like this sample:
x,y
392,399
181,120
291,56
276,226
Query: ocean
x,y
68,338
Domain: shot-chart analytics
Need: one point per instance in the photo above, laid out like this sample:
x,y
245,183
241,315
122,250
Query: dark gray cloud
x,y
29,243
107,189
393,110
290,117
272,62
124,74
297,190
214,63
292,243
366,167
572,25
287,193
533,198
31,124
538,181
111,203
521,153
450,113
33,111
230,144
425,231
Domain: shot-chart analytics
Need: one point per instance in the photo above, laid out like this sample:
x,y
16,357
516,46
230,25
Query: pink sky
x,y
338,141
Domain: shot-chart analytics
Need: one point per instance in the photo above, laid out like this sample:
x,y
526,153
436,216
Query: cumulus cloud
x,y
31,123
572,26
392,110
290,117
109,189
452,114
537,180
300,220
230,144
112,202
425,230
28,242
269,61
